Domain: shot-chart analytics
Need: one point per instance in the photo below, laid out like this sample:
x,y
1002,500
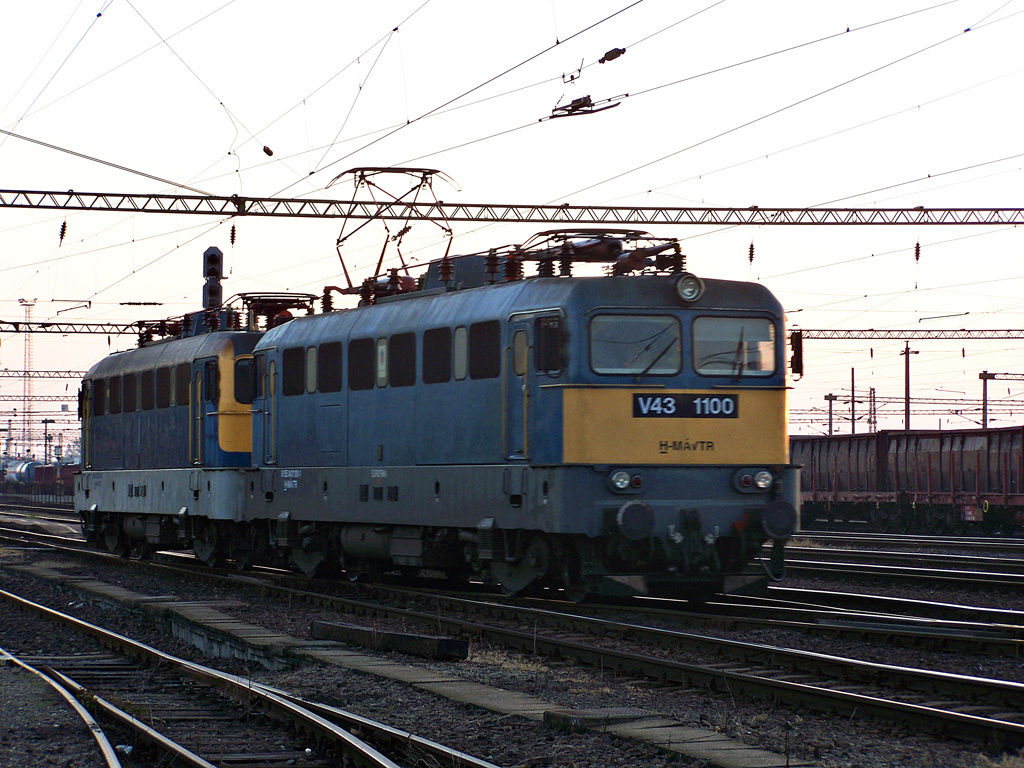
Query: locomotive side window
x,y
548,342
382,362
402,360
99,397
293,371
128,397
211,382
328,372
485,350
261,374
461,353
361,364
635,344
311,370
163,387
182,377
437,355
519,352
146,395
114,394
245,380
734,346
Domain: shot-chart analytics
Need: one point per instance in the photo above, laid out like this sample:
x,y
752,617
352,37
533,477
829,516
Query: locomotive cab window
x,y
548,344
245,380
635,345
211,382
733,346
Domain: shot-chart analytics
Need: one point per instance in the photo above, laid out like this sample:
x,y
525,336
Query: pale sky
x,y
731,103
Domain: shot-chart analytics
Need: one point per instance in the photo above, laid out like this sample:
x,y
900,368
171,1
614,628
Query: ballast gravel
x,y
834,742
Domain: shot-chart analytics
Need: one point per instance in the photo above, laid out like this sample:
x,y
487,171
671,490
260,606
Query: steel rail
x,y
67,693
719,677
229,685
144,732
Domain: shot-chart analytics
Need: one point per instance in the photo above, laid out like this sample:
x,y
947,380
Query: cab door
x,y
204,400
517,392
269,388
195,416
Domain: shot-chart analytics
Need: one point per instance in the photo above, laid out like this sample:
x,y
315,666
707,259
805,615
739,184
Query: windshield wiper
x,y
739,362
656,360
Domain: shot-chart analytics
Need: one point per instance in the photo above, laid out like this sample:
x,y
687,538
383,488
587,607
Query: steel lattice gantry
x,y
913,334
212,205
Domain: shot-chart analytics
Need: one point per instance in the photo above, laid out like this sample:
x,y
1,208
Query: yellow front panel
x,y
235,429
599,427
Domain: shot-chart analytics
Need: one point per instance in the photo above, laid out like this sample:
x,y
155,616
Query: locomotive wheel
x,y
249,545
534,564
115,539
310,563
206,545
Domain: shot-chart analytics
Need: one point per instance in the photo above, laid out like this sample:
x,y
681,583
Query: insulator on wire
x,y
232,234
917,252
63,231
751,257
612,55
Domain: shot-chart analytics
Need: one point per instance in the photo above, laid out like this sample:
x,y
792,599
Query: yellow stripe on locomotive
x,y
661,426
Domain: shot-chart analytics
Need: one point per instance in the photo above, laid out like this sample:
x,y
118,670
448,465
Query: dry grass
x,y
1006,761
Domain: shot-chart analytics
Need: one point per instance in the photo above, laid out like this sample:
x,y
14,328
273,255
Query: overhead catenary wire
x,y
475,88
765,116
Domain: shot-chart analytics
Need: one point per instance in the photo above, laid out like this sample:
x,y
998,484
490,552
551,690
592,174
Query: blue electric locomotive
x,y
609,434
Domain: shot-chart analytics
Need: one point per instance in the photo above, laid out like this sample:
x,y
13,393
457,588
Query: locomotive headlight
x,y
620,480
689,287
763,480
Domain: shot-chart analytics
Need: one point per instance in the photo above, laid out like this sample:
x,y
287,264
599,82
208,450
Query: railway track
x,y
193,715
968,707
893,621
965,707
906,567
101,747
925,542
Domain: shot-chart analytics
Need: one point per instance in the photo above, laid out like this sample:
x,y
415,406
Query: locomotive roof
x,y
170,352
434,308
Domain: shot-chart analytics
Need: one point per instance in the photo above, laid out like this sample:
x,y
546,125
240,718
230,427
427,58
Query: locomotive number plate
x,y
685,406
